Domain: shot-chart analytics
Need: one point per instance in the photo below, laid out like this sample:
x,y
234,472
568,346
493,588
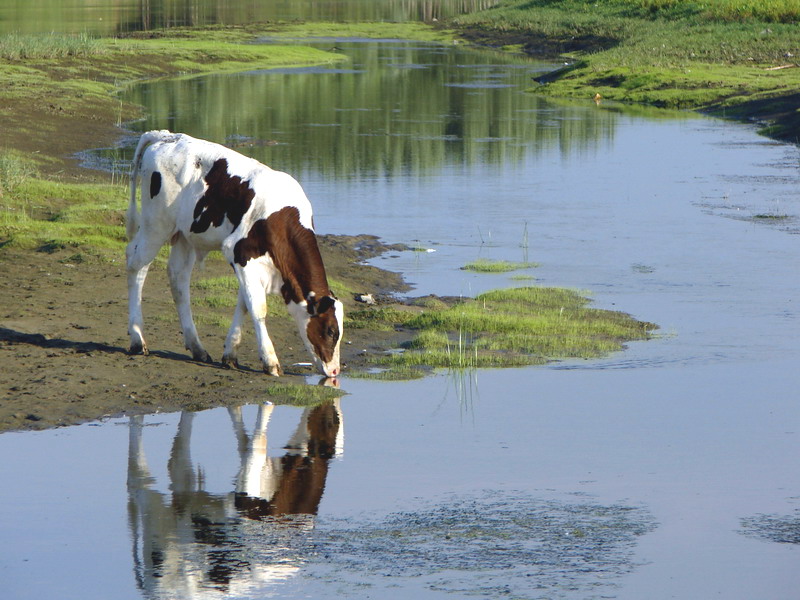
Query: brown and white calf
x,y
200,196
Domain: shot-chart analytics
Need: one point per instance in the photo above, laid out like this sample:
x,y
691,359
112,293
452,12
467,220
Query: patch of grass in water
x,y
491,544
783,529
391,373
484,265
515,327
301,394
771,217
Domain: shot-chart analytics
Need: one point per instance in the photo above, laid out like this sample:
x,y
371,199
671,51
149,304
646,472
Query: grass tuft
x,y
508,327
16,46
14,170
484,265
302,395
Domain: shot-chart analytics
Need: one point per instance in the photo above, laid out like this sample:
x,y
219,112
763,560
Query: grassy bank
x,y
735,58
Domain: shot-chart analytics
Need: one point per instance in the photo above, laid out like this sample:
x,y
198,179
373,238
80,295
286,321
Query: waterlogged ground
x,y
668,470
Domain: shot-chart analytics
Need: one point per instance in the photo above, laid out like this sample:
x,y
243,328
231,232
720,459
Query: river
x,y
668,470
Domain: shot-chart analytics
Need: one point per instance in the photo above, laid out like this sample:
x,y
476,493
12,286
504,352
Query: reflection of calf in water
x,y
292,484
194,543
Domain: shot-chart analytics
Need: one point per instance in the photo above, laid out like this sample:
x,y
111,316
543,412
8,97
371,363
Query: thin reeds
x,y
18,46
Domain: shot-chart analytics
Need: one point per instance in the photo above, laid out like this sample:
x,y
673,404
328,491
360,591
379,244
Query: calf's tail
x,y
132,216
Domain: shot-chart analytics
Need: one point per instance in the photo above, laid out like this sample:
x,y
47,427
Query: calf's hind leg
x,y
139,253
235,333
179,268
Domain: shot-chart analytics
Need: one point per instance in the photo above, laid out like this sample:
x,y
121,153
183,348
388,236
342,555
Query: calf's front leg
x,y
252,289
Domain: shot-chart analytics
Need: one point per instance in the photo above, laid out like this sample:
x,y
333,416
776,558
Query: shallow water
x,y
668,470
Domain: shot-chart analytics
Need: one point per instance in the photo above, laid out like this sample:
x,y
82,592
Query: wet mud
x,y
64,342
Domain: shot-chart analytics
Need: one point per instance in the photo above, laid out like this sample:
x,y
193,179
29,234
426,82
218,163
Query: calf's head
x,y
321,329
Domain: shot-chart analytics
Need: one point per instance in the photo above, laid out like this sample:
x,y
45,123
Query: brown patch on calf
x,y
323,329
226,196
155,184
292,247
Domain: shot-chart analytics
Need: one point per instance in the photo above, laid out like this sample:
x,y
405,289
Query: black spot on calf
x,y
155,184
226,196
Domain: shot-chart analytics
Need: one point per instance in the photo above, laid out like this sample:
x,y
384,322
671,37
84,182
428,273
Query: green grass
x,y
392,373
484,265
15,46
379,318
223,292
48,216
14,170
509,327
377,30
340,288
301,395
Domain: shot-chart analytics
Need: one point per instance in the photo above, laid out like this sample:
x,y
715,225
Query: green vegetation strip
x,y
301,395
483,265
37,214
509,327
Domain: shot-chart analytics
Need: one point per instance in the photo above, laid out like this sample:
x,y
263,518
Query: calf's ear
x,y
326,303
315,306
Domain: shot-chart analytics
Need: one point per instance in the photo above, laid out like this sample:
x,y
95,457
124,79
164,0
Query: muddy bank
x,y
63,340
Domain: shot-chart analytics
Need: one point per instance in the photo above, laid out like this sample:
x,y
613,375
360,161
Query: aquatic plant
x,y
509,327
488,544
484,265
301,395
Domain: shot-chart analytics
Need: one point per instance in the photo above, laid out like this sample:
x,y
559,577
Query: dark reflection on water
x,y
106,17
188,540
398,108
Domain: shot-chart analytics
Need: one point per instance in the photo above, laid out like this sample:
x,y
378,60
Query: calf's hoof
x,y
139,349
274,370
201,356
